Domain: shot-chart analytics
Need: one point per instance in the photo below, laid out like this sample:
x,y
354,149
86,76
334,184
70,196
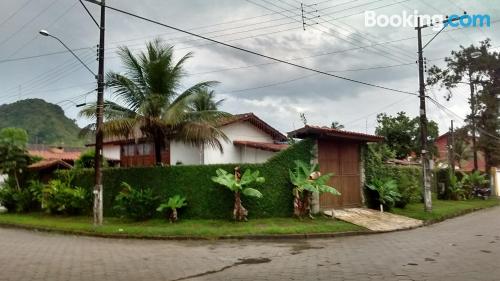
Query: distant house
x,y
68,155
466,165
251,140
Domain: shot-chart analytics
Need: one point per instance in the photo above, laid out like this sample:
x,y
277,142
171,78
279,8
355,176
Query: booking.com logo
x,y
372,19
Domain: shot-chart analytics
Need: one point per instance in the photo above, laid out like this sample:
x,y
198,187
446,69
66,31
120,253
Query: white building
x,y
251,140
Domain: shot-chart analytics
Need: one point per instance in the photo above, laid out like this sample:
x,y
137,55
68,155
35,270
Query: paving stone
x,y
28,255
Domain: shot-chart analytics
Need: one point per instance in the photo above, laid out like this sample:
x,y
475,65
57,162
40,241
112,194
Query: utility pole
x,y
98,206
451,153
423,124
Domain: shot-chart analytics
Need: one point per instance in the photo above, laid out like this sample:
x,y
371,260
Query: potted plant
x,y
387,190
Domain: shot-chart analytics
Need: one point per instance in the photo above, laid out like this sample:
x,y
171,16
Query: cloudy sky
x,y
335,40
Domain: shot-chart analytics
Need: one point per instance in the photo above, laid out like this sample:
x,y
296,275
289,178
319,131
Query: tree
x,y
13,155
482,74
337,125
402,134
308,180
238,185
148,99
204,100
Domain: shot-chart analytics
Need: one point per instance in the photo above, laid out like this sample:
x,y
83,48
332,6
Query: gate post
x,y
315,208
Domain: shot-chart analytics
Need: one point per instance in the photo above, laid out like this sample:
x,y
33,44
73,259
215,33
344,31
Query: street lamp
x,y
476,55
98,194
47,34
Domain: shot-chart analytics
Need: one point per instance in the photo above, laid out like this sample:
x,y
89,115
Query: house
x,y
68,155
251,140
466,165
338,152
45,168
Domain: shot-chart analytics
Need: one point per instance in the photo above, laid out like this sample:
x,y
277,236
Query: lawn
x,y
442,209
191,228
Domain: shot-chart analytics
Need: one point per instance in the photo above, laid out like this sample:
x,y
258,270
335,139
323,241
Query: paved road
x,y
465,248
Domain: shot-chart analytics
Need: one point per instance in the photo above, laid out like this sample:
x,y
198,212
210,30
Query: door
x,y
342,159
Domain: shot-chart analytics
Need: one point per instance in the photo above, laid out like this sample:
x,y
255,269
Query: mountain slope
x,y
45,122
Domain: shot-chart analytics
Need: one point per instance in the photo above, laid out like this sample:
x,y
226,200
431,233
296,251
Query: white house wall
x,y
184,153
252,155
111,152
234,154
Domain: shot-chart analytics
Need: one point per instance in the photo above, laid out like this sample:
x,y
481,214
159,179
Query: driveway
x,y
465,248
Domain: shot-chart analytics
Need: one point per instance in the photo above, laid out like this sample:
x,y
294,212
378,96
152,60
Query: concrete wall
x,y
111,151
184,153
234,154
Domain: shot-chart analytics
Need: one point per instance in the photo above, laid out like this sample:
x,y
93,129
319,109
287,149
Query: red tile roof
x,y
48,163
55,153
317,131
257,122
274,147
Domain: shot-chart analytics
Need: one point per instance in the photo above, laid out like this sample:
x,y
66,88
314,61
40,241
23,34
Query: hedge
x,y
206,199
409,178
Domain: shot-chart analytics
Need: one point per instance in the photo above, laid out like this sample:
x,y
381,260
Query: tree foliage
x,y
482,74
13,155
402,134
44,122
149,101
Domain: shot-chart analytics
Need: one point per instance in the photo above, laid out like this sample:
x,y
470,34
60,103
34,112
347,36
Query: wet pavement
x,y
465,248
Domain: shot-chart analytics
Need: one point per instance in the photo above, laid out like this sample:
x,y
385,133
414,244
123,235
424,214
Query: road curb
x,y
233,237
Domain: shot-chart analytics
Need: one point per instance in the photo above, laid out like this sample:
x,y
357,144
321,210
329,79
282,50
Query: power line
x,y
258,54
451,113
389,55
27,23
15,12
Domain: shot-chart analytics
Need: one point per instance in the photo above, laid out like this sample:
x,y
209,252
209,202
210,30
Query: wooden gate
x,y
341,158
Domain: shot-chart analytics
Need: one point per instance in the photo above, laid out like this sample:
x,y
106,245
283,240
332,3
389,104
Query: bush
x,y
408,178
387,190
137,204
17,200
206,199
59,197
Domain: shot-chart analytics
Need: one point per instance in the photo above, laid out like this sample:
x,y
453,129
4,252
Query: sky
x,y
334,39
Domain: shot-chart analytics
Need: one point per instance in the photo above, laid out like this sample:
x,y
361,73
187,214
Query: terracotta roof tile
x,y
55,154
47,163
308,130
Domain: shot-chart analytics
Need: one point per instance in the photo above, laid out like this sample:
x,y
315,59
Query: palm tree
x,y
205,100
148,101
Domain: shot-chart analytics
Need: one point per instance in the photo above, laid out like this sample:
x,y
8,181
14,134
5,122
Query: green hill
x,y
45,122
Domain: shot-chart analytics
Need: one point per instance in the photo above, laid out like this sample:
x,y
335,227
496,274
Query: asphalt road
x,y
464,248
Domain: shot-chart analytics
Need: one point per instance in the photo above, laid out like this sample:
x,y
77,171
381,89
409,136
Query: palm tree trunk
x,y
239,212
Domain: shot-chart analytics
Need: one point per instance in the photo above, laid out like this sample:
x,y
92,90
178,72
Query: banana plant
x,y
387,190
238,185
175,202
308,180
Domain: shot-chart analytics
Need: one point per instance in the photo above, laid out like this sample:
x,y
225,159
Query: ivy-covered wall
x,y
409,178
205,198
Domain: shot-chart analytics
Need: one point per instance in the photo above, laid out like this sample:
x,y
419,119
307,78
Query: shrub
x,y
173,203
137,204
387,190
60,197
238,185
408,178
206,199
16,200
307,180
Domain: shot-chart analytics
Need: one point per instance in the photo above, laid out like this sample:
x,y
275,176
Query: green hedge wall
x,y
409,178
205,198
